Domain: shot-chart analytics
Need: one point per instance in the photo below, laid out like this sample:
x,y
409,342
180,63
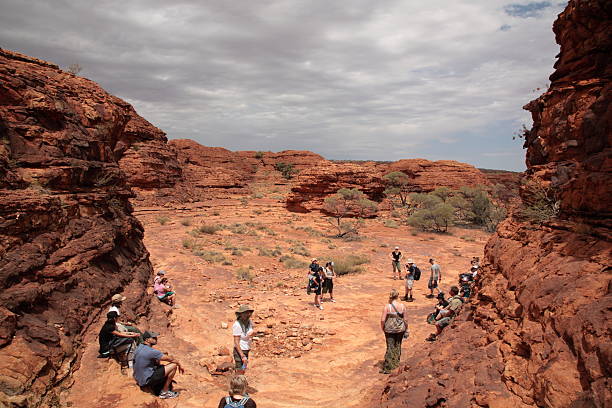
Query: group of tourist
x,y
394,321
321,281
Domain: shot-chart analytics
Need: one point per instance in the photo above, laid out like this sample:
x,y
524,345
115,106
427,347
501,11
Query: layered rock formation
x,y
538,333
68,241
312,186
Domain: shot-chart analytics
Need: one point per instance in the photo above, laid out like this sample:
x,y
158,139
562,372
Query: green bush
x,y
186,222
292,263
259,155
238,228
236,252
210,256
348,264
300,249
540,202
390,223
163,220
286,169
437,219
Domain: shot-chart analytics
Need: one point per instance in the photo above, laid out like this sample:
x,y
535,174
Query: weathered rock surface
x,y
313,185
68,240
538,331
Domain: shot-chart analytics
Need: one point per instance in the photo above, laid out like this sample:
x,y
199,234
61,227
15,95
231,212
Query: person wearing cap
x,y
242,330
442,303
314,266
158,277
412,273
148,370
116,302
115,342
328,281
396,258
447,314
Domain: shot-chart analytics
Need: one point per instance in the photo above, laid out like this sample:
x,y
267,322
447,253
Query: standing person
x,y
435,278
396,257
316,286
412,273
238,396
314,266
148,370
328,281
242,331
394,324
164,292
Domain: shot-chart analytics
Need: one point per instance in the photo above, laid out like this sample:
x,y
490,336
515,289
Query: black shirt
x,y
396,255
249,404
106,336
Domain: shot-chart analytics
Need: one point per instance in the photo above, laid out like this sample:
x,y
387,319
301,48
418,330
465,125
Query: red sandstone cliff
x,y
538,333
68,240
313,185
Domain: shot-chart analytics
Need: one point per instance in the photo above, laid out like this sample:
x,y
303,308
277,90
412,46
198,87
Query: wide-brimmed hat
x,y
244,308
409,260
161,272
149,334
118,298
313,259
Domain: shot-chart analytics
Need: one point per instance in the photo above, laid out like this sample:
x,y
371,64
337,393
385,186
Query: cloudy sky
x,y
348,79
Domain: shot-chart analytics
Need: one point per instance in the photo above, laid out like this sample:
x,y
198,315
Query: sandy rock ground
x,y
302,357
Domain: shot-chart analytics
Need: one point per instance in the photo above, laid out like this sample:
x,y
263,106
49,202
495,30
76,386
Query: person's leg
x,y
170,371
394,266
392,356
331,290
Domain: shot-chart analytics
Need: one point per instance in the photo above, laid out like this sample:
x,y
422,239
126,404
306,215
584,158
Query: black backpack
x,y
417,273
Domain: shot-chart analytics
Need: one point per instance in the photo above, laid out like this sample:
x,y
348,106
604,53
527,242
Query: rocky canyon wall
x,y
537,333
68,241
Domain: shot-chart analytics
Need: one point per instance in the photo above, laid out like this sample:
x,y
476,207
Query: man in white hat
x,y
116,302
396,258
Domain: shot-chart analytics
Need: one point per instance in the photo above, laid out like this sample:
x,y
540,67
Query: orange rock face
x,y
312,186
538,331
68,240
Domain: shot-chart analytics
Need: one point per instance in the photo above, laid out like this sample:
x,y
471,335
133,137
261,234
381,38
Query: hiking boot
x,y
333,300
168,394
320,307
410,300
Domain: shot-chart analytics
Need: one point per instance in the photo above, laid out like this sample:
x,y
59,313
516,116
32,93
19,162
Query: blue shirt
x,y
146,359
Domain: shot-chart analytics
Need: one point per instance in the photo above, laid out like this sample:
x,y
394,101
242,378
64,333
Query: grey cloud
x,y
347,79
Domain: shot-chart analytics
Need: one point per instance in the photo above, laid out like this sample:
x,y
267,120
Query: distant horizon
x,y
350,80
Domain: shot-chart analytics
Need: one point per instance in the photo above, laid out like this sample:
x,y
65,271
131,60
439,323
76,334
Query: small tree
x,y
286,169
348,203
540,202
74,69
433,216
398,185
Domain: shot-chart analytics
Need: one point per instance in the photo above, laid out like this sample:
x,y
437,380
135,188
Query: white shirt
x,y
114,309
245,338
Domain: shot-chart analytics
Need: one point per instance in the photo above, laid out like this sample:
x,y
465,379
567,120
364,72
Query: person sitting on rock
x,y
447,315
159,276
242,331
442,303
328,281
238,396
148,370
116,303
114,342
163,291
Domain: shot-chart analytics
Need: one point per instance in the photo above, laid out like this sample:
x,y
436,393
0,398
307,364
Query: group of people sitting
x,y
321,281
446,310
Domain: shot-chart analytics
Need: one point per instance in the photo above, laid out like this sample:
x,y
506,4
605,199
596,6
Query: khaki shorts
x,y
409,283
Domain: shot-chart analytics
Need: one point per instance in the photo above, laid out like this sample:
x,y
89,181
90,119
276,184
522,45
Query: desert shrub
x,y
74,69
332,246
186,222
236,252
257,212
257,195
443,192
310,231
300,249
286,169
398,186
216,213
244,273
163,220
383,245
437,218
259,155
348,264
292,263
540,202
209,228
188,243
226,263
270,252
238,228
390,223
210,256
244,201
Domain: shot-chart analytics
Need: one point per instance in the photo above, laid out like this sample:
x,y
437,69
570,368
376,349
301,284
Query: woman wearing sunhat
x,y
116,303
243,333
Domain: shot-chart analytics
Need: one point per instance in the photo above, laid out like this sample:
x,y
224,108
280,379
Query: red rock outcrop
x,y
313,185
538,332
68,241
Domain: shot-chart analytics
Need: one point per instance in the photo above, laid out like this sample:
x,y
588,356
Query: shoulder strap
x,y
393,306
243,401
